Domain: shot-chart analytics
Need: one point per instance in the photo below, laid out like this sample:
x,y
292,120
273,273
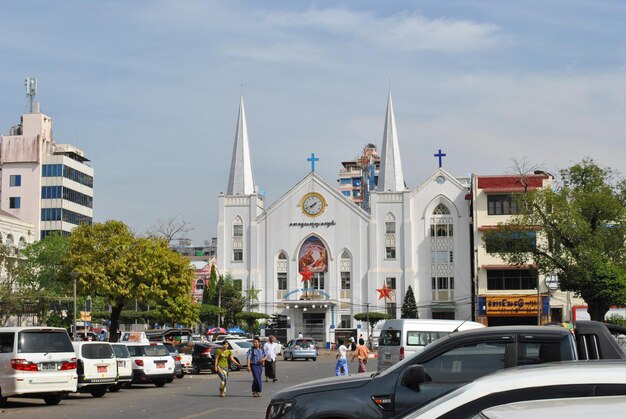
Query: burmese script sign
x,y
512,304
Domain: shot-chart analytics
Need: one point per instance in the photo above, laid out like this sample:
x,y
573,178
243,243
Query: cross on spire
x,y
440,155
313,159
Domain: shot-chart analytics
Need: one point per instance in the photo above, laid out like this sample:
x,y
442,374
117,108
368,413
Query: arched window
x,y
281,271
345,266
199,285
442,254
237,239
10,240
441,210
390,236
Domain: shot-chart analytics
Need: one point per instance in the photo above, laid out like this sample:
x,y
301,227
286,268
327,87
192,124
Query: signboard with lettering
x,y
511,305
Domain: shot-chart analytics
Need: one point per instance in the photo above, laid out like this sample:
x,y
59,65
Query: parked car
x,y
201,356
178,365
301,348
36,361
450,362
240,348
537,382
97,367
124,367
151,363
570,408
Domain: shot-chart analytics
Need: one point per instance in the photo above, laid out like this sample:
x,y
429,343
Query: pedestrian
x,y
362,354
256,358
370,342
341,368
222,356
352,344
300,335
270,363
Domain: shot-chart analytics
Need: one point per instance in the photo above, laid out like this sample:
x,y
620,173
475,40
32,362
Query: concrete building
x,y
316,258
46,184
358,177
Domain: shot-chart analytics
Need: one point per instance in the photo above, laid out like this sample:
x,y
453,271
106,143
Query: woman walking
x,y
362,354
222,356
256,358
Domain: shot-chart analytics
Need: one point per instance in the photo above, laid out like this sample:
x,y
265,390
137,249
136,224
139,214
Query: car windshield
x,y
389,337
97,351
244,344
44,341
121,351
305,343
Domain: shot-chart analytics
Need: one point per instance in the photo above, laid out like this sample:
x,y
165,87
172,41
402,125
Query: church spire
x,y
241,181
390,177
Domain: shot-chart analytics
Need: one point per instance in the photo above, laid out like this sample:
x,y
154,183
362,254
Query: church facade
x,y
316,258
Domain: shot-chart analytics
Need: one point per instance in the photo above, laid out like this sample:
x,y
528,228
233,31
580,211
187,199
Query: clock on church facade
x,y
313,204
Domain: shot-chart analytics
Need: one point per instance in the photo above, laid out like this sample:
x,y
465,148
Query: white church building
x,y
318,259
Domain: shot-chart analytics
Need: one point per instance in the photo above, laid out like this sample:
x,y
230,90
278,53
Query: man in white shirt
x,y
270,363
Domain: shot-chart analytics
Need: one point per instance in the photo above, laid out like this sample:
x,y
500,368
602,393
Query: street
x,y
194,396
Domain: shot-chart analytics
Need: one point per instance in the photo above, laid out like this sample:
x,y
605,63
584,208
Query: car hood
x,y
325,384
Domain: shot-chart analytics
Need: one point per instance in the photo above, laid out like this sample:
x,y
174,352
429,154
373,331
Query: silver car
x,y
301,348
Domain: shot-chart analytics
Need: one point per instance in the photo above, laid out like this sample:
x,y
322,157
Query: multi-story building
x,y
358,177
46,184
506,294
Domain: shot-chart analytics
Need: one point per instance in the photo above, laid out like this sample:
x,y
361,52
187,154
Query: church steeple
x,y
390,176
241,181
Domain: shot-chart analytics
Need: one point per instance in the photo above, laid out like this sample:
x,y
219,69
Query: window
x,y
391,283
345,193
6,342
43,341
467,362
346,181
238,230
199,285
390,227
281,277
15,180
237,255
441,210
523,241
356,182
501,205
97,351
415,338
390,252
345,280
511,279
318,280
441,230
441,256
345,321
391,310
14,202
442,283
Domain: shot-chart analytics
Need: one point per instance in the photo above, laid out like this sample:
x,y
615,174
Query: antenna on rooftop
x,y
31,91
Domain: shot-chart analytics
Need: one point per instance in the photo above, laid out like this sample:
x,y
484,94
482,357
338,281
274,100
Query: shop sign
x,y
512,305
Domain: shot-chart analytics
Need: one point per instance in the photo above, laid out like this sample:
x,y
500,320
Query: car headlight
x,y
277,408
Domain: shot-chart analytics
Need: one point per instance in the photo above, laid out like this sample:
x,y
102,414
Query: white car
x,y
240,349
151,363
572,408
97,367
124,367
36,361
572,379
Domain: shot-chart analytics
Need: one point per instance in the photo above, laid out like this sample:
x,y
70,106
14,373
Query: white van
x,y
36,362
124,367
400,338
97,367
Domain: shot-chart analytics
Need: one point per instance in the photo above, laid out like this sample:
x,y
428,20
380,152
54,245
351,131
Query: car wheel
x,y
180,374
314,359
51,400
159,383
98,391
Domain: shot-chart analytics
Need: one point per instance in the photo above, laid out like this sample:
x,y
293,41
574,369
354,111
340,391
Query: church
x,y
318,259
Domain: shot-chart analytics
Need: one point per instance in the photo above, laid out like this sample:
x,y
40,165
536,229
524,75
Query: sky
x,y
150,90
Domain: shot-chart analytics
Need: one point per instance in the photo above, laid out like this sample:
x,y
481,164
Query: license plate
x,y
160,365
102,369
47,366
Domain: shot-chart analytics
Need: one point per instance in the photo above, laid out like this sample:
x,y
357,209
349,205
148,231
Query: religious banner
x,y
313,256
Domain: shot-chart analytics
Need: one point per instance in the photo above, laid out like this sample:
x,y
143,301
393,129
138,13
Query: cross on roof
x,y
440,155
313,159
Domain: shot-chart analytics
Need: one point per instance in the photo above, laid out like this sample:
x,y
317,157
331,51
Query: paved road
x,y
194,396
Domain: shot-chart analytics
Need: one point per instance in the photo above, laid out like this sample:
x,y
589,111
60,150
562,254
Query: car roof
x,y
574,407
549,374
28,328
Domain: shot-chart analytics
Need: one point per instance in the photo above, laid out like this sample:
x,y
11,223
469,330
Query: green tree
x,y
10,294
581,236
409,306
225,293
251,320
110,262
373,317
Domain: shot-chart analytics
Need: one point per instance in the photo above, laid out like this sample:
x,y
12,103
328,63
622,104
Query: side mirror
x,y
414,376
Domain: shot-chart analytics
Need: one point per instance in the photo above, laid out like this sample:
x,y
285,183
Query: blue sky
x,y
150,89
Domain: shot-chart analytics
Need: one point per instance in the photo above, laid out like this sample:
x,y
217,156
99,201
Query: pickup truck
x,y
444,365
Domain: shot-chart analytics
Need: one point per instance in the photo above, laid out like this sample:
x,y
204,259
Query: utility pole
x,y
74,332
367,318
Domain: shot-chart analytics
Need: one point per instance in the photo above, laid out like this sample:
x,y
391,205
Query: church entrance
x,y
314,326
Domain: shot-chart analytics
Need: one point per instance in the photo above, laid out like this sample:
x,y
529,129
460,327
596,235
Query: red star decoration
x,y
306,274
384,292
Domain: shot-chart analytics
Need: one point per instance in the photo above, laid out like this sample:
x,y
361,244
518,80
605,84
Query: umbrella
x,y
235,330
217,330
